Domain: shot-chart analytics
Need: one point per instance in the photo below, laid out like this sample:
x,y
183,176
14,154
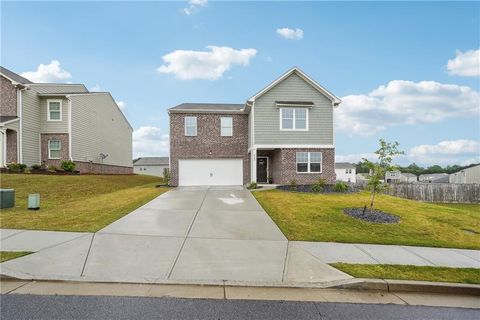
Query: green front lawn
x,y
320,217
9,255
75,203
404,272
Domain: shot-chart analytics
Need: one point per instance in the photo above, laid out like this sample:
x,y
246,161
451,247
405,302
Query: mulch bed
x,y
308,188
374,216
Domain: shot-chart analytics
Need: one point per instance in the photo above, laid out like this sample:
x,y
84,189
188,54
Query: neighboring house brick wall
x,y
97,168
285,167
8,103
44,137
12,146
208,140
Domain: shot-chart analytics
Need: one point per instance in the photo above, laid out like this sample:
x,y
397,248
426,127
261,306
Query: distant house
x,y
361,177
345,172
47,123
400,177
468,175
152,166
434,178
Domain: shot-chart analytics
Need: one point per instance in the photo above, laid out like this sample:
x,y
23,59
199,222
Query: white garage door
x,y
210,172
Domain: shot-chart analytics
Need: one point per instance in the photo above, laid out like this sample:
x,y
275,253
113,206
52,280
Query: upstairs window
x,y
309,162
54,110
54,148
190,126
294,119
226,125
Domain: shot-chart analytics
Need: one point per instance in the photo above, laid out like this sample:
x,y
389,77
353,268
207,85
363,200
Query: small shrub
x,y
16,167
166,175
293,185
36,167
68,166
319,186
270,179
340,186
252,185
52,168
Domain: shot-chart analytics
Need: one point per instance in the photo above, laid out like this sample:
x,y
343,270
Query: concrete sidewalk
x,y
202,235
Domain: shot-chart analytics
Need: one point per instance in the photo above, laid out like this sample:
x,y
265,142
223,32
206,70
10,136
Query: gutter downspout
x,y
69,128
20,125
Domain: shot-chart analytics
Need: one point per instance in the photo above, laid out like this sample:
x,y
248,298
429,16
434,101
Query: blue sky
x,y
387,61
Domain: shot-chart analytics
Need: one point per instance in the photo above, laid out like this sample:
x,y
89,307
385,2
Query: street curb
x,y
390,285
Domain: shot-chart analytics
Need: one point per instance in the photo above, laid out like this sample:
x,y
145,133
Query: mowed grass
x,y
75,203
9,255
320,217
406,272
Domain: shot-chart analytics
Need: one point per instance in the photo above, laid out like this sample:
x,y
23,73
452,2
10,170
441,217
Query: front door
x,y
262,169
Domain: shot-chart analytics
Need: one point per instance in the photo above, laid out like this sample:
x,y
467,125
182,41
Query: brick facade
x,y
11,146
44,138
8,102
98,168
208,144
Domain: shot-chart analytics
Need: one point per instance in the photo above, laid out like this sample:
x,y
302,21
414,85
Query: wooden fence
x,y
437,192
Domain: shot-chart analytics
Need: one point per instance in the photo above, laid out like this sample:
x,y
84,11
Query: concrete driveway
x,y
200,234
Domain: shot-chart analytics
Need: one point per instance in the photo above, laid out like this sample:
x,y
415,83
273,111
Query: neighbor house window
x,y
54,147
309,162
293,119
226,125
54,110
191,126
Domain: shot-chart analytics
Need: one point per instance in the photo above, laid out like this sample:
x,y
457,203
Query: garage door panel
x,y
213,172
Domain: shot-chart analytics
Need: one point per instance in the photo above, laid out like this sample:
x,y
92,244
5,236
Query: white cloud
x,y
48,73
405,102
122,105
194,5
466,64
95,88
447,148
150,141
291,34
209,65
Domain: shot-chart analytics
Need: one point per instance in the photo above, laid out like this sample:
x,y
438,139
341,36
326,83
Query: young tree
x,y
386,153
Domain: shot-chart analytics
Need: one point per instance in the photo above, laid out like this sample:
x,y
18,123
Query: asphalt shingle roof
x,y
144,161
344,165
209,107
15,77
6,118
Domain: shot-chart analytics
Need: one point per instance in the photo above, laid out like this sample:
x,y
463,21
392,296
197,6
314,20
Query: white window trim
x,y
196,127
221,126
294,118
308,163
48,109
59,148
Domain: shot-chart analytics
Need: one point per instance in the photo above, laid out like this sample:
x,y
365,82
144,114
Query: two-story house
x,y
345,172
283,133
46,123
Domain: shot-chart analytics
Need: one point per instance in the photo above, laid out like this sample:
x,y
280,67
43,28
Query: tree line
x,y
361,167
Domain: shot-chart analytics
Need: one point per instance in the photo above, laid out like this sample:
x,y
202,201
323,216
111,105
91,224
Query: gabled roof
x,y
344,165
304,76
8,119
145,161
12,76
208,107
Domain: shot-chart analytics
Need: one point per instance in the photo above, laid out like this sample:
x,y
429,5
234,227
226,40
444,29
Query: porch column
x,y
253,165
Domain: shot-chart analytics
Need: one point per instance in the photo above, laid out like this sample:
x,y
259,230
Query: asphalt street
x,y
16,306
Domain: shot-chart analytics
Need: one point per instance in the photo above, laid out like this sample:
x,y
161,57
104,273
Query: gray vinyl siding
x,y
53,126
12,126
150,170
267,115
31,127
98,126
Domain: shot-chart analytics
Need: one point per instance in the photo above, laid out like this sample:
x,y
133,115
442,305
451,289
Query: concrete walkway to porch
x,y
201,235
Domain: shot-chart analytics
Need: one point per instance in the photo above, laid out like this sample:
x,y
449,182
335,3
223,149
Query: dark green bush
x,y
16,167
293,185
68,165
340,186
36,167
166,176
52,168
319,186
252,185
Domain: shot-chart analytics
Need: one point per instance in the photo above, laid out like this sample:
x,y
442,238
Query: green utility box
x,y
7,198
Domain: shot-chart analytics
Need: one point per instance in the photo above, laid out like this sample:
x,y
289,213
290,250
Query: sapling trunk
x,y
372,200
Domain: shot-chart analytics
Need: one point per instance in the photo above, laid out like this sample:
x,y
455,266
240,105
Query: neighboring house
x,y
361,177
46,123
152,166
467,175
400,177
283,133
345,172
434,178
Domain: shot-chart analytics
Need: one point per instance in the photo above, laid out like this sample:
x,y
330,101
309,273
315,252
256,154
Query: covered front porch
x,y
9,146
